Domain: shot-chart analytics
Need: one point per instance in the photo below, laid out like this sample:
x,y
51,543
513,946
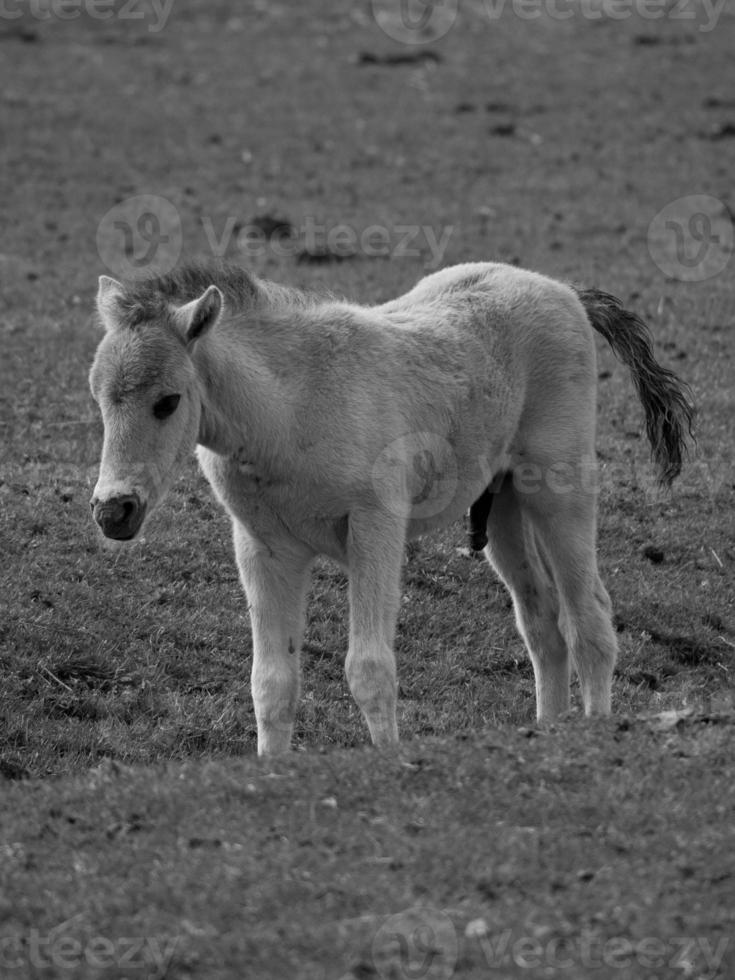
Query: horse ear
x,y
109,296
200,315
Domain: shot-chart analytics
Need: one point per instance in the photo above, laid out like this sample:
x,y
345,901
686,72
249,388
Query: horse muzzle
x,y
119,517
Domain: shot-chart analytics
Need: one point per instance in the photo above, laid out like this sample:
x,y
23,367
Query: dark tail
x,y
666,399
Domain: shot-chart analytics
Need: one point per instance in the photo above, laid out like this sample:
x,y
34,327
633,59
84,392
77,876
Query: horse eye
x,y
166,406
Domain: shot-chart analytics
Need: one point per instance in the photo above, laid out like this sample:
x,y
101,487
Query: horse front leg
x,y
275,577
375,546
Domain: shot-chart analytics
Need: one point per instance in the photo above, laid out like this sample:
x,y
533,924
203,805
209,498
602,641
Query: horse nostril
x,y
119,517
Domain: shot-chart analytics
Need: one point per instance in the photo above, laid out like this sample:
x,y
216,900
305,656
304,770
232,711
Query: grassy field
x,y
598,149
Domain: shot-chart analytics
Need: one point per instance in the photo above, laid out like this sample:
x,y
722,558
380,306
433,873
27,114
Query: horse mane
x,y
150,298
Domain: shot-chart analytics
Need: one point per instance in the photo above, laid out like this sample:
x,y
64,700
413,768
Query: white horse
x,y
325,427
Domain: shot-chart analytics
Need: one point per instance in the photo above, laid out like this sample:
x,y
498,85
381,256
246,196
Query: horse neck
x,y
242,406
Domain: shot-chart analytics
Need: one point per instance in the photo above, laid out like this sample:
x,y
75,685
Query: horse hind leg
x,y
513,552
565,526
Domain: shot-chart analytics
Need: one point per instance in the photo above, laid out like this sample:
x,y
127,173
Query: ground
x,y
342,150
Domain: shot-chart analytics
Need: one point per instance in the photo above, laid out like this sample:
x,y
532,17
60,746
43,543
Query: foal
x,y
325,427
